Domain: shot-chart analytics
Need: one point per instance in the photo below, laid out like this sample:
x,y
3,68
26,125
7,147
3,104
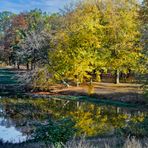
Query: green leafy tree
x,y
5,23
122,36
78,53
28,38
143,13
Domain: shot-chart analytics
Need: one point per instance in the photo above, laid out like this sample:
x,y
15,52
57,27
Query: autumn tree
x,y
32,46
144,30
96,36
78,53
122,35
22,27
5,23
35,48
13,35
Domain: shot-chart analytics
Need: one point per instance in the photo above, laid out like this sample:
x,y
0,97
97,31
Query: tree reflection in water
x,y
91,119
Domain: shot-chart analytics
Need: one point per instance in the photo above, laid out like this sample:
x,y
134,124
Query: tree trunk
x,y
34,65
78,104
31,65
27,66
77,82
117,110
18,66
91,81
99,77
117,78
65,83
9,61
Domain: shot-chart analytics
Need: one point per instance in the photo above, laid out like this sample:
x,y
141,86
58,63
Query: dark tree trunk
x,y
27,66
18,66
9,61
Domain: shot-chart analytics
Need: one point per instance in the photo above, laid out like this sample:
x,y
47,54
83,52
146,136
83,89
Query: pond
x,y
18,118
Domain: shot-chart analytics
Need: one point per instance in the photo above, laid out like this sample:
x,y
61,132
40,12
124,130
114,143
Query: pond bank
x,y
128,99
99,92
102,92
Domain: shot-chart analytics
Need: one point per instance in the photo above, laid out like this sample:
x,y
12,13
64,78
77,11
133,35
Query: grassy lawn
x,y
7,76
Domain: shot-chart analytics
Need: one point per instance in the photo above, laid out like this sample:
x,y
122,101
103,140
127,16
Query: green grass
x,y
7,77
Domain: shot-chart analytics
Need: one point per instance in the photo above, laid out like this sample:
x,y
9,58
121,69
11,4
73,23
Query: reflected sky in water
x,y
10,133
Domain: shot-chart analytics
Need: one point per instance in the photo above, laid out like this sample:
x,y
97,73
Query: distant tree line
x,y
79,43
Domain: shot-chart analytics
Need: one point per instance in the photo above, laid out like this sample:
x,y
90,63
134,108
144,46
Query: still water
x,y
19,116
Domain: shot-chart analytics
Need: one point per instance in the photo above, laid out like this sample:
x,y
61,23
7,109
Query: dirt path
x,y
105,88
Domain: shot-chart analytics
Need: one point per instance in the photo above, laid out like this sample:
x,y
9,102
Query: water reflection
x,y
18,117
9,133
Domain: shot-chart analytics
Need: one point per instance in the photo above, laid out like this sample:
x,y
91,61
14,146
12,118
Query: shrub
x,y
137,129
55,132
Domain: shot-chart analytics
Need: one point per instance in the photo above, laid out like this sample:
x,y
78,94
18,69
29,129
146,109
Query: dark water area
x,y
18,118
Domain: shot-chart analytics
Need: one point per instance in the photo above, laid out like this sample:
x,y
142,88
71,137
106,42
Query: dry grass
x,y
83,143
78,144
133,143
129,143
125,92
